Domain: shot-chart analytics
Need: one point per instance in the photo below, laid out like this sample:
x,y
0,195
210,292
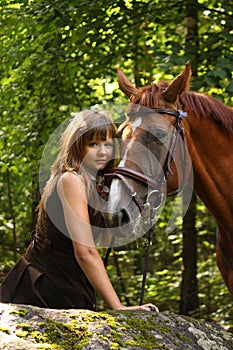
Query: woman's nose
x,y
101,149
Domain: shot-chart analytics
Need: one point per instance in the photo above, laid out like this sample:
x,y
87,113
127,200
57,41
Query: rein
x,y
123,173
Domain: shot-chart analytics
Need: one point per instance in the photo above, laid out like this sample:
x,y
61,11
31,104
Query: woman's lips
x,y
101,161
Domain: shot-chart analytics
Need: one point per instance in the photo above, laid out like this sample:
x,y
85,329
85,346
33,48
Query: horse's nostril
x,y
119,219
125,217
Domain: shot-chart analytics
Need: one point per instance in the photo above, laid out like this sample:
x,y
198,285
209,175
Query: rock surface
x,y
27,328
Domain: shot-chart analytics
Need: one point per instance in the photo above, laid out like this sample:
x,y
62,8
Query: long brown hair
x,y
84,127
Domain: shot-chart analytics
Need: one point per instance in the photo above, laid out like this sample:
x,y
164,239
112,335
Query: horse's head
x,y
151,140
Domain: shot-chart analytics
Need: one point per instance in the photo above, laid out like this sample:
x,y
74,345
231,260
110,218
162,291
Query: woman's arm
x,y
93,267
71,190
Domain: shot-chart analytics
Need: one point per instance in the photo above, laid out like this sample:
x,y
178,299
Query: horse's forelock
x,y
163,85
148,96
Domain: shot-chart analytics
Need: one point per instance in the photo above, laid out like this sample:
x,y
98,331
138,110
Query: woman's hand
x,y
145,307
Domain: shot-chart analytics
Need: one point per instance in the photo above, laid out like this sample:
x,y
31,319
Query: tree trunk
x,y
192,39
189,287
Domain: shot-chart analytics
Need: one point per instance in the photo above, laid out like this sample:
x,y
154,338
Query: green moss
x,y
143,339
21,334
115,346
37,336
25,330
5,330
42,324
180,336
130,342
21,312
56,335
45,347
25,327
66,335
116,331
59,335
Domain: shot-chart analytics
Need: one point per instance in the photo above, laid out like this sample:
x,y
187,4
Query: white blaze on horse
x,y
155,161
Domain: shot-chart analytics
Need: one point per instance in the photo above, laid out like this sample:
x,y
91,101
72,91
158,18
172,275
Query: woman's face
x,y
98,153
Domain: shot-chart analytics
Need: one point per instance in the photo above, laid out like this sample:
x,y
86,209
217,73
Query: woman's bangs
x,y
101,133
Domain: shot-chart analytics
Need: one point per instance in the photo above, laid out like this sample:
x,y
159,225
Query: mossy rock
x,y
25,327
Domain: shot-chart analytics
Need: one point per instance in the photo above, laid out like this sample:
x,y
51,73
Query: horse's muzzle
x,y
117,219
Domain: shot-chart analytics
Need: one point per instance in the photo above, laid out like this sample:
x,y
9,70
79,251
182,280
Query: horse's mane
x,y
200,104
206,106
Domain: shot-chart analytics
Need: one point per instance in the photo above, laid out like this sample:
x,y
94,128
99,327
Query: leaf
x,y
220,73
230,86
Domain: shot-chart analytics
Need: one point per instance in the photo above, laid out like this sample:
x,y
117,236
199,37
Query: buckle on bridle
x,y
150,200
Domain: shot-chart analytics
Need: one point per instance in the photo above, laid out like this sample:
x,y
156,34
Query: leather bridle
x,y
123,173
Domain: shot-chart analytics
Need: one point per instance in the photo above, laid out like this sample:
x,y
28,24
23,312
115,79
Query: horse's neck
x,y
212,158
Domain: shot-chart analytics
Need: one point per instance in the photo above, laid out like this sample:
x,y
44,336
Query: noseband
x,y
123,172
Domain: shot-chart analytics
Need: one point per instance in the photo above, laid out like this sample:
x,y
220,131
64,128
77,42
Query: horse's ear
x,y
178,85
125,85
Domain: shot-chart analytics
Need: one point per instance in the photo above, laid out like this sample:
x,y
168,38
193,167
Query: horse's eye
x,y
160,135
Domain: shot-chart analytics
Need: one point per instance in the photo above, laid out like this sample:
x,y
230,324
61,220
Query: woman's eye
x,y
96,144
108,144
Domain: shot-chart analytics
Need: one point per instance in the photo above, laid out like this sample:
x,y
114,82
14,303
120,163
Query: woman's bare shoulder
x,y
70,181
69,176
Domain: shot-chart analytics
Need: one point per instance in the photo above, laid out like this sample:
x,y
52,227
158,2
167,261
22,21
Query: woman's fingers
x,y
146,307
150,307
153,308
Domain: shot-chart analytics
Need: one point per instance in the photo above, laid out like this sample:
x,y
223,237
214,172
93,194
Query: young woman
x,y
62,267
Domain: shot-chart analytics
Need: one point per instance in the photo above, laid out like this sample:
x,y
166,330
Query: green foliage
x,y
60,56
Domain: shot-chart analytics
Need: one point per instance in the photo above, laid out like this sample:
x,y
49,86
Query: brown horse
x,y
155,161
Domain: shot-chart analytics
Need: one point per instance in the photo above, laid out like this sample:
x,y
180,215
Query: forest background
x,y
59,57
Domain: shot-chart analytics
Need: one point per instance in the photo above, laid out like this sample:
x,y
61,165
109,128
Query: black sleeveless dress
x,y
48,274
